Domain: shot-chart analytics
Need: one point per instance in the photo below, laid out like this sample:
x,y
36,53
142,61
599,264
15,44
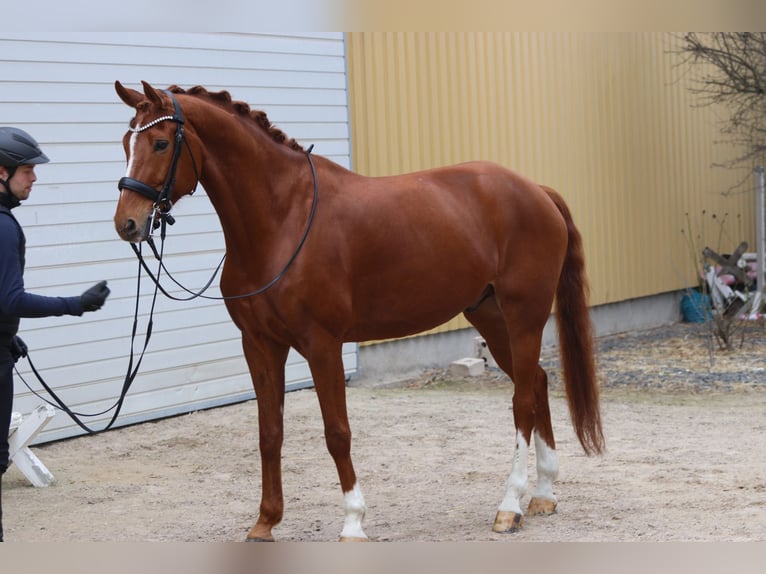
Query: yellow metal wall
x,y
605,118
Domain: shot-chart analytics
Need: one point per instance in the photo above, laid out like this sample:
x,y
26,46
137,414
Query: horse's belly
x,y
411,307
392,329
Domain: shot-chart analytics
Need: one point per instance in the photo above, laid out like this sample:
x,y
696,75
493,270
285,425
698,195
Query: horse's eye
x,y
161,145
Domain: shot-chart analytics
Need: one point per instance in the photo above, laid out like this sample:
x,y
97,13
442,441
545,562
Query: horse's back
x,y
482,200
455,192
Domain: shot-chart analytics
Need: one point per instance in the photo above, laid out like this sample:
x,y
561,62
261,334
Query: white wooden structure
x,y
59,87
24,430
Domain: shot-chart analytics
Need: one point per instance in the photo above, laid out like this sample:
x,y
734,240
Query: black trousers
x,y
6,408
6,403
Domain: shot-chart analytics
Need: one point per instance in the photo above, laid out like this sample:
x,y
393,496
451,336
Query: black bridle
x,y
161,198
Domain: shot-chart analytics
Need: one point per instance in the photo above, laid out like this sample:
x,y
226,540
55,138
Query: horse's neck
x,y
257,188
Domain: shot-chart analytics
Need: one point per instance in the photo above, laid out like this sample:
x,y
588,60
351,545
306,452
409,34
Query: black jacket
x,y
15,302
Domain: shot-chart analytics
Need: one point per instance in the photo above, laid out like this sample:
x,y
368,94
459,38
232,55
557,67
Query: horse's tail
x,y
576,344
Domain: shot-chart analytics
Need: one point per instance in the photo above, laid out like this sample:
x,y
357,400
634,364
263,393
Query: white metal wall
x,y
59,87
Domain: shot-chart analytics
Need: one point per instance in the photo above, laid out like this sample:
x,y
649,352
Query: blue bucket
x,y
695,307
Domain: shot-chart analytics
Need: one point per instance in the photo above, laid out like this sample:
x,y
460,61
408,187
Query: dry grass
x,y
676,358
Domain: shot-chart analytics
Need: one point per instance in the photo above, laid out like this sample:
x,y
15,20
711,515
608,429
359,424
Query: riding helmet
x,y
17,148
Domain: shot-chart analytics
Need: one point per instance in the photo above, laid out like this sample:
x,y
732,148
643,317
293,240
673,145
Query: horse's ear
x,y
151,94
130,97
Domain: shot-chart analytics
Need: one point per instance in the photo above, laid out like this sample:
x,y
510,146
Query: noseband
x,y
161,199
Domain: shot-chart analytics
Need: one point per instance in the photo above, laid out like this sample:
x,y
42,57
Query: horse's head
x,y
161,163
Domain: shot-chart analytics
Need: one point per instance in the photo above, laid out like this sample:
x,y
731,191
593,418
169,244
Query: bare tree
x,y
731,70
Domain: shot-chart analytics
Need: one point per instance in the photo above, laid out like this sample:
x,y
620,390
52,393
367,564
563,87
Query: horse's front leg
x,y
266,361
326,365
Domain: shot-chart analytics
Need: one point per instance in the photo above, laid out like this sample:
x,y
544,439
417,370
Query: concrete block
x,y
481,351
468,367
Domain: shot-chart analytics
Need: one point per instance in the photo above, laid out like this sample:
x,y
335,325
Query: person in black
x,y
19,153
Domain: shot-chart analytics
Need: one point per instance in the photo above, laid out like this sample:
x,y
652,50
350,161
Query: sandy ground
x,y
685,429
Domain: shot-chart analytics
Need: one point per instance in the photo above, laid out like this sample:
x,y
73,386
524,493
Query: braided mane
x,y
223,98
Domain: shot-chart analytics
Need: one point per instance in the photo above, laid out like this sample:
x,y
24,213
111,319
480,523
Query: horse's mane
x,y
223,98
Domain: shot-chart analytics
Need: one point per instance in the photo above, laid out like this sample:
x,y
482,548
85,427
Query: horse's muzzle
x,y
129,229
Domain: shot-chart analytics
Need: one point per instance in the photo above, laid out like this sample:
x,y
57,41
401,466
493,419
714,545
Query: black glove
x,y
93,298
18,348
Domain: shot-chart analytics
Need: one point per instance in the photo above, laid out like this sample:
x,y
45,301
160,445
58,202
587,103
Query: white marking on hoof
x,y
516,486
547,469
354,509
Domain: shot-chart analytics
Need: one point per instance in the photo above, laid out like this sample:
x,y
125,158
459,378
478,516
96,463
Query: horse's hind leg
x,y
543,501
531,411
490,324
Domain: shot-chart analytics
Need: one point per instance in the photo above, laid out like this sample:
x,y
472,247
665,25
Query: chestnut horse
x,y
317,255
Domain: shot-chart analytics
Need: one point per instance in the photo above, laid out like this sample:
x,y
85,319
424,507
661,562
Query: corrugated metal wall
x,y
59,87
604,118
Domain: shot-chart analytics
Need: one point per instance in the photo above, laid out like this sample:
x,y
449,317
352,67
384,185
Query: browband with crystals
x,y
151,124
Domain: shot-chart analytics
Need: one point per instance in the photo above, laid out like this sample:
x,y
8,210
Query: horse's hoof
x,y
353,539
507,522
541,507
257,539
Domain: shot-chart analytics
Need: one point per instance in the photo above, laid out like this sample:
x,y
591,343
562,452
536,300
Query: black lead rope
x,y
129,376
